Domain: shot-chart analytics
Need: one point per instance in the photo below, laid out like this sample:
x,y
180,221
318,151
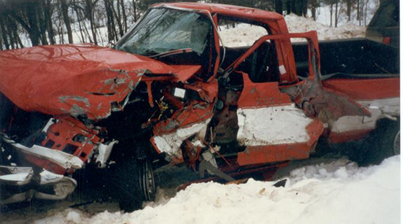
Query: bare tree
x,y
278,4
335,14
66,18
124,15
48,12
4,32
117,17
349,5
134,10
89,9
358,12
77,9
110,21
313,4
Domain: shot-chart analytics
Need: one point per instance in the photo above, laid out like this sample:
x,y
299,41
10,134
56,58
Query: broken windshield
x,y
163,30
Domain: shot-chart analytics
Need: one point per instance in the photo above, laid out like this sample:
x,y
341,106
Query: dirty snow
x,y
338,192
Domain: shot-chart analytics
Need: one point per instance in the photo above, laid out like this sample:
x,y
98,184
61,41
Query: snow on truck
x,y
170,91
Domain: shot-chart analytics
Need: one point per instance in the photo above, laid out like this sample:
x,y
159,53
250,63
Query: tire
x,y
135,184
382,143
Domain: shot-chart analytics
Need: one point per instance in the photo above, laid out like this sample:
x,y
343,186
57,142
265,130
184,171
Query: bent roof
x,y
227,10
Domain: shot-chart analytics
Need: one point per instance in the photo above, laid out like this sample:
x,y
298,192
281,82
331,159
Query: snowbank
x,y
246,35
339,192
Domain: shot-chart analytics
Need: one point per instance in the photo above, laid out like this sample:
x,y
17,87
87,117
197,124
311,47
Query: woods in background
x,y
44,22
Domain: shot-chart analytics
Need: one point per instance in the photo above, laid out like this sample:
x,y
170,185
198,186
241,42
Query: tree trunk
x,y
304,7
358,12
10,34
4,32
349,10
124,15
293,7
94,32
278,4
79,18
119,14
335,14
49,24
1,44
66,19
88,33
331,14
17,37
33,30
134,10
313,12
288,4
117,18
42,22
365,12
109,21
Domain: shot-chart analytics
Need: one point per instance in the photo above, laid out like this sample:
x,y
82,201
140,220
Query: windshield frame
x,y
215,40
125,36
164,30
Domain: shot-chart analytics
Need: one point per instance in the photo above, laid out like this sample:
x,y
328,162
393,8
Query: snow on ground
x,y
339,192
246,35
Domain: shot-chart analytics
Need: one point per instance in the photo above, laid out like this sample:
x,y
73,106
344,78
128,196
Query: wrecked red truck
x,y
170,91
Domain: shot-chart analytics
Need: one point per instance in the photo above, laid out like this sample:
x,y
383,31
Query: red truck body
x,y
210,113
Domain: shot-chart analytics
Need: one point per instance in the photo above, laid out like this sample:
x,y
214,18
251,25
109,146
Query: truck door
x,y
271,127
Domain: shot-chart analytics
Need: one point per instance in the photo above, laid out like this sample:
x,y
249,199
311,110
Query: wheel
x,y
382,143
396,144
135,184
147,181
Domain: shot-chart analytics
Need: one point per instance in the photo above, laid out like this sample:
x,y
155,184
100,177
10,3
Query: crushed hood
x,y
76,79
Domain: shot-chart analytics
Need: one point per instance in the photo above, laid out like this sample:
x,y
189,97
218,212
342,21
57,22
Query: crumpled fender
x,y
77,79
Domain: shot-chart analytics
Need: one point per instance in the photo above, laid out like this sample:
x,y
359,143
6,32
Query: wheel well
x,y
384,123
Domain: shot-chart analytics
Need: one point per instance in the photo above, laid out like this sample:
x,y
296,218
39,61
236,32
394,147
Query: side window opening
x,y
261,65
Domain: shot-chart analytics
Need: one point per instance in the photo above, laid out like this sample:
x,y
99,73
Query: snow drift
x,y
247,35
339,192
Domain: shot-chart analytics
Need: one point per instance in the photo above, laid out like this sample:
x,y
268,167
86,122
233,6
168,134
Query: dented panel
x,y
170,143
272,125
77,80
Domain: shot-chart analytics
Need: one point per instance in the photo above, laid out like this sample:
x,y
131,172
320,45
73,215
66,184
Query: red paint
x,y
69,131
386,40
255,95
366,89
228,10
52,79
61,136
282,152
195,112
348,136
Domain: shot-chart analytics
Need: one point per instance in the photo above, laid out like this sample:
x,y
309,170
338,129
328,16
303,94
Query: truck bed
x,y
357,57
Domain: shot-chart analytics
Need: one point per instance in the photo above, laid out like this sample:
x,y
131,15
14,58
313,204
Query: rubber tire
x,y
131,178
381,143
